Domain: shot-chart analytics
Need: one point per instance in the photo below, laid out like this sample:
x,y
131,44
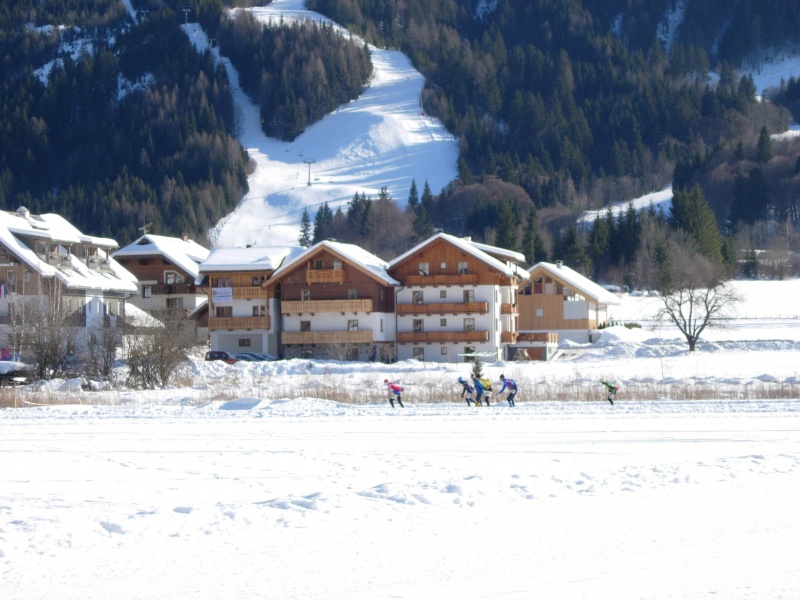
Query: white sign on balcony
x,y
223,294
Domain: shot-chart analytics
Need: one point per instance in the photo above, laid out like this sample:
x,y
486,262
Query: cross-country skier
x,y
511,386
466,389
479,389
394,392
612,390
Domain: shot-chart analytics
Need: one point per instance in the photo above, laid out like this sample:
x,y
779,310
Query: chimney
x,y
23,212
185,237
559,263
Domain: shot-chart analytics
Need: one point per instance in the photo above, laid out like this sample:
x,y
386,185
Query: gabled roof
x,y
74,273
185,254
479,251
355,255
254,258
577,282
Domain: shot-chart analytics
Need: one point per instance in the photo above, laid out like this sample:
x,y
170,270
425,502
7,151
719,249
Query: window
x,y
337,264
442,293
538,288
175,303
469,353
443,322
443,350
244,342
147,291
352,325
352,294
259,311
424,268
26,276
222,282
305,325
223,312
351,354
171,277
318,264
469,324
418,326
255,281
306,353
381,325
416,297
418,354
443,266
469,295
539,312
305,295
463,267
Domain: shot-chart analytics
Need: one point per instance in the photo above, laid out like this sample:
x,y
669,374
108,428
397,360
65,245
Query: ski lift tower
x,y
309,163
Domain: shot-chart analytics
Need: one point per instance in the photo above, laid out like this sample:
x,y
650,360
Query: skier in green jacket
x,y
612,390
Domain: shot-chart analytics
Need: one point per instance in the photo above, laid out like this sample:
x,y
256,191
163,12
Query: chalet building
x,y
167,269
242,313
560,301
45,256
457,299
336,302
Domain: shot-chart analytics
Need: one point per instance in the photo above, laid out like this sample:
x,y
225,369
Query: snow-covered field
x,y
279,492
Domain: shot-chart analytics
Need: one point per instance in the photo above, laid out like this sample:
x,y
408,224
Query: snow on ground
x,y
381,139
251,481
660,200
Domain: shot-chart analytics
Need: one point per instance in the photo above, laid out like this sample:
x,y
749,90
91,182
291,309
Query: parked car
x,y
15,373
259,356
221,355
247,357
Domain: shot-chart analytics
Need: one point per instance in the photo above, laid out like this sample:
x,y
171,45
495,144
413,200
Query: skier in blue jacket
x,y
511,386
467,389
479,390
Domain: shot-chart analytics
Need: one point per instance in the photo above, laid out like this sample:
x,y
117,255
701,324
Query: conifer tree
x,y
322,219
764,147
532,242
506,232
413,197
692,213
305,230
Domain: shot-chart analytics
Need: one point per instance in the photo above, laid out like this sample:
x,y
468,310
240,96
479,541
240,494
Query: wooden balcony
x,y
540,338
443,336
173,288
508,309
325,276
509,337
326,306
463,279
326,337
249,293
231,323
442,308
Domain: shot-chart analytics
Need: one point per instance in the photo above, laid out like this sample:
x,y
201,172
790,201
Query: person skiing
x,y
612,390
467,389
394,392
479,389
511,386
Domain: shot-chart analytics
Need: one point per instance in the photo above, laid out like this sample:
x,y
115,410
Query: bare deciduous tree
x,y
155,351
697,297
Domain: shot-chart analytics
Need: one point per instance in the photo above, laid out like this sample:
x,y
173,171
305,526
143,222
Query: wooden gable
x,y
443,263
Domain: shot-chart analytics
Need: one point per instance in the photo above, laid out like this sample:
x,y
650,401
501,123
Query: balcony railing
x,y
326,306
325,276
231,323
444,336
541,338
173,288
249,293
442,308
509,337
326,337
462,279
508,309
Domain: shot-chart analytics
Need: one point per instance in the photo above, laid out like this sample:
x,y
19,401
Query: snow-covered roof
x,y
475,249
495,251
578,282
254,258
350,252
73,271
183,253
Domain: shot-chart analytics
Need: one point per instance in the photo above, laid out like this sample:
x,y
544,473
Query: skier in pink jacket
x,y
394,392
